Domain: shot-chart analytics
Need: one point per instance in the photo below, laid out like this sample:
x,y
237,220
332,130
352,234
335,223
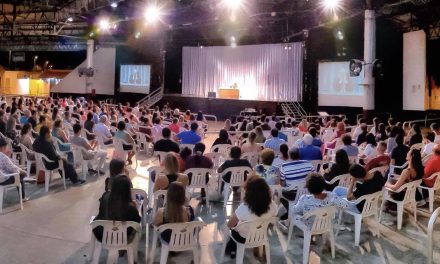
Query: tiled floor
x,y
54,228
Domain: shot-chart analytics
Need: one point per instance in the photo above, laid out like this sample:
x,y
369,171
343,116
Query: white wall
x,y
414,70
103,81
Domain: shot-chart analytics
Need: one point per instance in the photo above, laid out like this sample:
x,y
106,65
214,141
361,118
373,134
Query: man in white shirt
x,y
156,130
102,130
7,167
436,129
429,143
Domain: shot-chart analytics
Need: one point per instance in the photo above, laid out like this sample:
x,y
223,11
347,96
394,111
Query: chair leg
x,y
381,209
153,246
28,168
63,177
431,200
240,254
1,199
164,254
130,254
20,196
226,193
357,229
47,177
222,252
196,254
376,219
96,253
341,212
289,235
112,256
267,248
415,211
91,248
332,242
399,215
306,247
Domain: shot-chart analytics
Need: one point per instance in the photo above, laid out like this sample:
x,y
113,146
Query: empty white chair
x,y
430,230
184,237
27,153
49,173
252,157
198,180
322,223
79,159
115,238
257,237
222,148
371,208
410,190
343,180
237,179
431,190
217,159
5,188
142,144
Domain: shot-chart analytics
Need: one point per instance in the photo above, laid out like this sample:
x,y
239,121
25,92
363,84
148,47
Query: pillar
x,y
369,57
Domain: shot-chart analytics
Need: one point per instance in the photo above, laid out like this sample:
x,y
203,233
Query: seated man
x,y
191,136
102,130
351,150
89,154
235,161
166,144
309,151
429,144
8,167
281,135
381,159
432,166
274,142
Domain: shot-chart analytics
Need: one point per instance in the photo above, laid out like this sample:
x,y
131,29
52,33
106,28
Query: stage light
x,y
104,24
70,19
339,35
137,35
331,5
114,4
152,14
233,4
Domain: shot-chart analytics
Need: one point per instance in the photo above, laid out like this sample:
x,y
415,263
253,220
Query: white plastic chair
x,y
141,204
300,187
160,155
252,157
198,181
430,230
431,190
5,188
49,173
237,179
410,189
57,142
322,223
257,237
184,237
371,207
217,159
190,146
343,180
78,158
115,238
222,148
392,174
27,162
120,153
142,144
157,170
101,139
382,169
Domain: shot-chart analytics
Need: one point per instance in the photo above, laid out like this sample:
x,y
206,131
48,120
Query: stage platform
x,y
222,108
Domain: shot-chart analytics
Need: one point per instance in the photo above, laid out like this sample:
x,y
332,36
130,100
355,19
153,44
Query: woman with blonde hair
x,y
171,174
260,136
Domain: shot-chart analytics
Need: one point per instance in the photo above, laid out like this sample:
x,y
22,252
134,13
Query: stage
x,y
222,108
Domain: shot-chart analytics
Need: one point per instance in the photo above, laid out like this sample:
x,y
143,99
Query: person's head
x,y
121,125
44,132
381,147
341,158
371,139
313,132
315,183
436,150
227,123
284,149
25,129
185,153
166,132
308,139
199,148
77,129
199,116
4,146
103,119
346,139
382,128
249,126
361,121
391,122
435,127
174,203
171,163
57,124
223,135
357,171
414,158
274,132
257,196
67,115
278,126
116,167
235,152
175,121
119,198
341,126
430,136
416,128
194,126
251,138
294,153
259,130
394,131
267,156
399,139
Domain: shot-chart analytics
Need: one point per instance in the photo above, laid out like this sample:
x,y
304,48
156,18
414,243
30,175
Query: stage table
x,y
229,93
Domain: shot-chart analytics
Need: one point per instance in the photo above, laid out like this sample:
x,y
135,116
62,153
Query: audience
x,y
199,161
223,138
266,170
171,174
166,144
351,150
189,137
309,151
274,142
235,161
283,157
399,154
340,167
260,138
380,159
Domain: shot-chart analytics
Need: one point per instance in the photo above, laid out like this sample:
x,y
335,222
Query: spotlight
x,y
152,14
137,35
339,34
114,4
70,19
104,24
331,5
233,4
233,42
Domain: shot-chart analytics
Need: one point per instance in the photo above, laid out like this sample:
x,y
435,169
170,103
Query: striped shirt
x,y
294,171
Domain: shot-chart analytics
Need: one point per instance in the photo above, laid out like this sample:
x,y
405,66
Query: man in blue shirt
x,y
351,150
189,137
274,142
308,151
281,135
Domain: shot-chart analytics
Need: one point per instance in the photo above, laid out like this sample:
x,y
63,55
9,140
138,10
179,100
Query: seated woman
x,y
174,210
117,205
251,145
171,174
260,136
257,204
122,134
341,166
415,171
58,132
369,150
223,138
197,160
26,136
266,170
331,142
283,158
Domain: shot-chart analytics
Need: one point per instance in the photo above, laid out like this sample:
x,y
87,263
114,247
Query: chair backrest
x,y
322,219
371,203
426,158
198,177
114,235
184,236
41,158
118,144
257,231
300,187
381,169
237,175
252,157
141,138
140,198
190,146
77,153
222,148
410,193
343,180
417,146
217,159
436,185
160,154
430,231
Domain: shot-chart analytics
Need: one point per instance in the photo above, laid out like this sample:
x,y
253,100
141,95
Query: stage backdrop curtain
x,y
272,72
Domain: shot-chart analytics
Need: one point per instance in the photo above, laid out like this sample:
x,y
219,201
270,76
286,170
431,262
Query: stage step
x,y
293,109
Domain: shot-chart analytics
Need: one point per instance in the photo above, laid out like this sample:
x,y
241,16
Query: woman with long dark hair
x,y
341,166
117,205
283,157
382,133
223,138
257,204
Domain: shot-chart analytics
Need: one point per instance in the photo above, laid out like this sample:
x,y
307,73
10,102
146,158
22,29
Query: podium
x,y
229,93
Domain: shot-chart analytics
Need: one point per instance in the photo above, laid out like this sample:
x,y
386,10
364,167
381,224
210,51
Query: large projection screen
x,y
135,79
336,87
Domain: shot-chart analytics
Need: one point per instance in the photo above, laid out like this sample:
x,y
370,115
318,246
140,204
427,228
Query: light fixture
x,y
114,4
104,24
137,35
233,4
70,19
152,14
331,5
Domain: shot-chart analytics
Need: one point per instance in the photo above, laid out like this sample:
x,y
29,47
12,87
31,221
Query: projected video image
x,y
135,78
334,78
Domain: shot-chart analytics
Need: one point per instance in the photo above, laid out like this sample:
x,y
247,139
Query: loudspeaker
x,y
212,95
